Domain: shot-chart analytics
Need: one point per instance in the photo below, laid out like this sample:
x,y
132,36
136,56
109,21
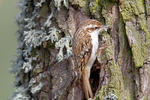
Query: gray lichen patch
x,y
39,4
20,94
58,3
37,30
61,44
36,88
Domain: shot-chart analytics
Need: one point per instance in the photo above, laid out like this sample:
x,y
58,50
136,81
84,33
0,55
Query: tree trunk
x,y
45,68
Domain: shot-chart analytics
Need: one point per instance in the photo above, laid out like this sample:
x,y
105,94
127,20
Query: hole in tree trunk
x,y
94,77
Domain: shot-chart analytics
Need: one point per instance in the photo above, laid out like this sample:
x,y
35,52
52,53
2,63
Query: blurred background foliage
x,y
8,45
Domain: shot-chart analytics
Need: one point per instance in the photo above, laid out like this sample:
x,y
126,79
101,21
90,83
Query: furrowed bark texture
x,y
44,67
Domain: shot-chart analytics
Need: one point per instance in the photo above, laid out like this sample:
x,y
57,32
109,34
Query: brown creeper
x,y
85,48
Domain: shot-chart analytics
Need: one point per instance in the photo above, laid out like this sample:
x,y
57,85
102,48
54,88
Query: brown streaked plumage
x,y
85,46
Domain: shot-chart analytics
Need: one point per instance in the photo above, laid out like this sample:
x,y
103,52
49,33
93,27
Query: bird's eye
x,y
96,27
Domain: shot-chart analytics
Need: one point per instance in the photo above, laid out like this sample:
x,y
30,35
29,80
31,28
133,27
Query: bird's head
x,y
94,26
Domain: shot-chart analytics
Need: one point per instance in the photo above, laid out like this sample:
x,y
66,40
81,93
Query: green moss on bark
x,y
81,3
114,83
133,13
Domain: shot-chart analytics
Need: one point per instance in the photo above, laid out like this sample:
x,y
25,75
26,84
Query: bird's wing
x,y
82,49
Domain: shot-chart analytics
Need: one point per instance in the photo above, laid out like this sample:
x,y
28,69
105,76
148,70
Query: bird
x,y
85,46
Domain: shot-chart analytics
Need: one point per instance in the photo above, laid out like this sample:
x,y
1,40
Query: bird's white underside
x,y
94,36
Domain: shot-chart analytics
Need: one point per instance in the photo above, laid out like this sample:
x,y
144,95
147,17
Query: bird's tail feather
x,y
86,85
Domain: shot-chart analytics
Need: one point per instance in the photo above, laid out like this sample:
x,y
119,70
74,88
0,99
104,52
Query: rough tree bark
x,y
44,67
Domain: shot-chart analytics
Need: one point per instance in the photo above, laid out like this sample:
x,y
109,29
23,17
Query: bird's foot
x,y
101,48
